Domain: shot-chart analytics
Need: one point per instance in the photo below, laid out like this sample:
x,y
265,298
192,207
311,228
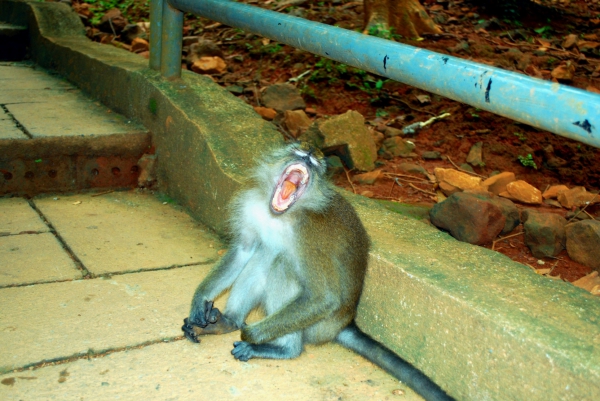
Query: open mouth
x,y
290,187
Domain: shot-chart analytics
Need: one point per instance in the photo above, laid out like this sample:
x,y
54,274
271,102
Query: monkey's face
x,y
305,166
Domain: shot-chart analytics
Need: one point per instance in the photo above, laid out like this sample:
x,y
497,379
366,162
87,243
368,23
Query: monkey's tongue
x,y
288,189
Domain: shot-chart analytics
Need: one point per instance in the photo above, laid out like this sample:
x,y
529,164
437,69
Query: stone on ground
x,y
583,242
469,217
347,135
544,233
282,97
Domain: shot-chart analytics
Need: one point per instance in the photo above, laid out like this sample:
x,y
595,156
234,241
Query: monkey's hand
x,y
200,317
242,351
203,313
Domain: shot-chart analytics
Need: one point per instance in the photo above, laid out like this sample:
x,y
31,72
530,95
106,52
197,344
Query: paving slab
x,y
79,116
33,258
58,320
8,128
184,371
128,231
16,216
27,76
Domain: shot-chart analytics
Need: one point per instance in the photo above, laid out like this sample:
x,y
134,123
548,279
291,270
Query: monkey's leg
x,y
244,296
286,347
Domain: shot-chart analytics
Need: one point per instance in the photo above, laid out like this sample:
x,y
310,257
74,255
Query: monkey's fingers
x,y
189,332
213,315
208,310
242,351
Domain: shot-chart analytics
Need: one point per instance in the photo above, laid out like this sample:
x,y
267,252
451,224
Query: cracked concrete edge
x,y
482,326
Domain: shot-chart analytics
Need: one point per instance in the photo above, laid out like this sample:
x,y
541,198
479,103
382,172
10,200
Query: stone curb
x,y
479,324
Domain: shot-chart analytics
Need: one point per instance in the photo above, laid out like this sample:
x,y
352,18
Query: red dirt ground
x,y
524,37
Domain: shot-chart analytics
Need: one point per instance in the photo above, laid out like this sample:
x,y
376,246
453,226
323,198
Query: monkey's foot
x,y
221,326
243,351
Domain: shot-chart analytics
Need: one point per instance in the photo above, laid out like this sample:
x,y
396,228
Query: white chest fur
x,y
275,231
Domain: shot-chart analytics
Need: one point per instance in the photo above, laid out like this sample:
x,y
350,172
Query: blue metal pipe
x,y
561,109
172,42
156,9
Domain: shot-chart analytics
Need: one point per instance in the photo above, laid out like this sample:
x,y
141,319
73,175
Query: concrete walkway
x,y
93,292
94,287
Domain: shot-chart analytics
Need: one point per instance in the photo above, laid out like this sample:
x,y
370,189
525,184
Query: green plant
x,y
545,31
521,137
527,161
382,31
381,113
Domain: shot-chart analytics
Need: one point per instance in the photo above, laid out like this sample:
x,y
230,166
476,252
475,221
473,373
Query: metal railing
x,y
561,109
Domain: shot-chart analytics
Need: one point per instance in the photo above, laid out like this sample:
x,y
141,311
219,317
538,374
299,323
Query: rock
x,y
203,48
282,97
583,242
431,155
296,121
590,283
469,217
498,182
524,192
456,178
570,41
265,112
577,197
509,211
564,72
475,156
544,233
347,136
235,89
467,167
209,65
112,21
396,146
334,165
448,189
576,214
553,191
391,131
147,166
139,45
413,169
378,138
367,178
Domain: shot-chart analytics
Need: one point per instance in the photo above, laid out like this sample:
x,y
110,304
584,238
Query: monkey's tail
x,y
353,338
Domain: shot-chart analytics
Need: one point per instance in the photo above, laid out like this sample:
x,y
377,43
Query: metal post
x,y
561,109
172,38
156,10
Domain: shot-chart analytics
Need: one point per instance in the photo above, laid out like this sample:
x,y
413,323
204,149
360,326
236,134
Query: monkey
x,y
299,252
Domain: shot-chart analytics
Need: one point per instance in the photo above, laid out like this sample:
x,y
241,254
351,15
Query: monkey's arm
x,y
219,279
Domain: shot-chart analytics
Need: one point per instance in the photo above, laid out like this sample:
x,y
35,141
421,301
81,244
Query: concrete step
x,y
55,138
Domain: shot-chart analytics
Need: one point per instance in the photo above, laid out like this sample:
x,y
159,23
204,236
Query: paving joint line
x,y
88,355
78,263
104,276
16,122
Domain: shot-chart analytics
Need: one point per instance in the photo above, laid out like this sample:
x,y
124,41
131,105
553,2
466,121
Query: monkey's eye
x,y
314,161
